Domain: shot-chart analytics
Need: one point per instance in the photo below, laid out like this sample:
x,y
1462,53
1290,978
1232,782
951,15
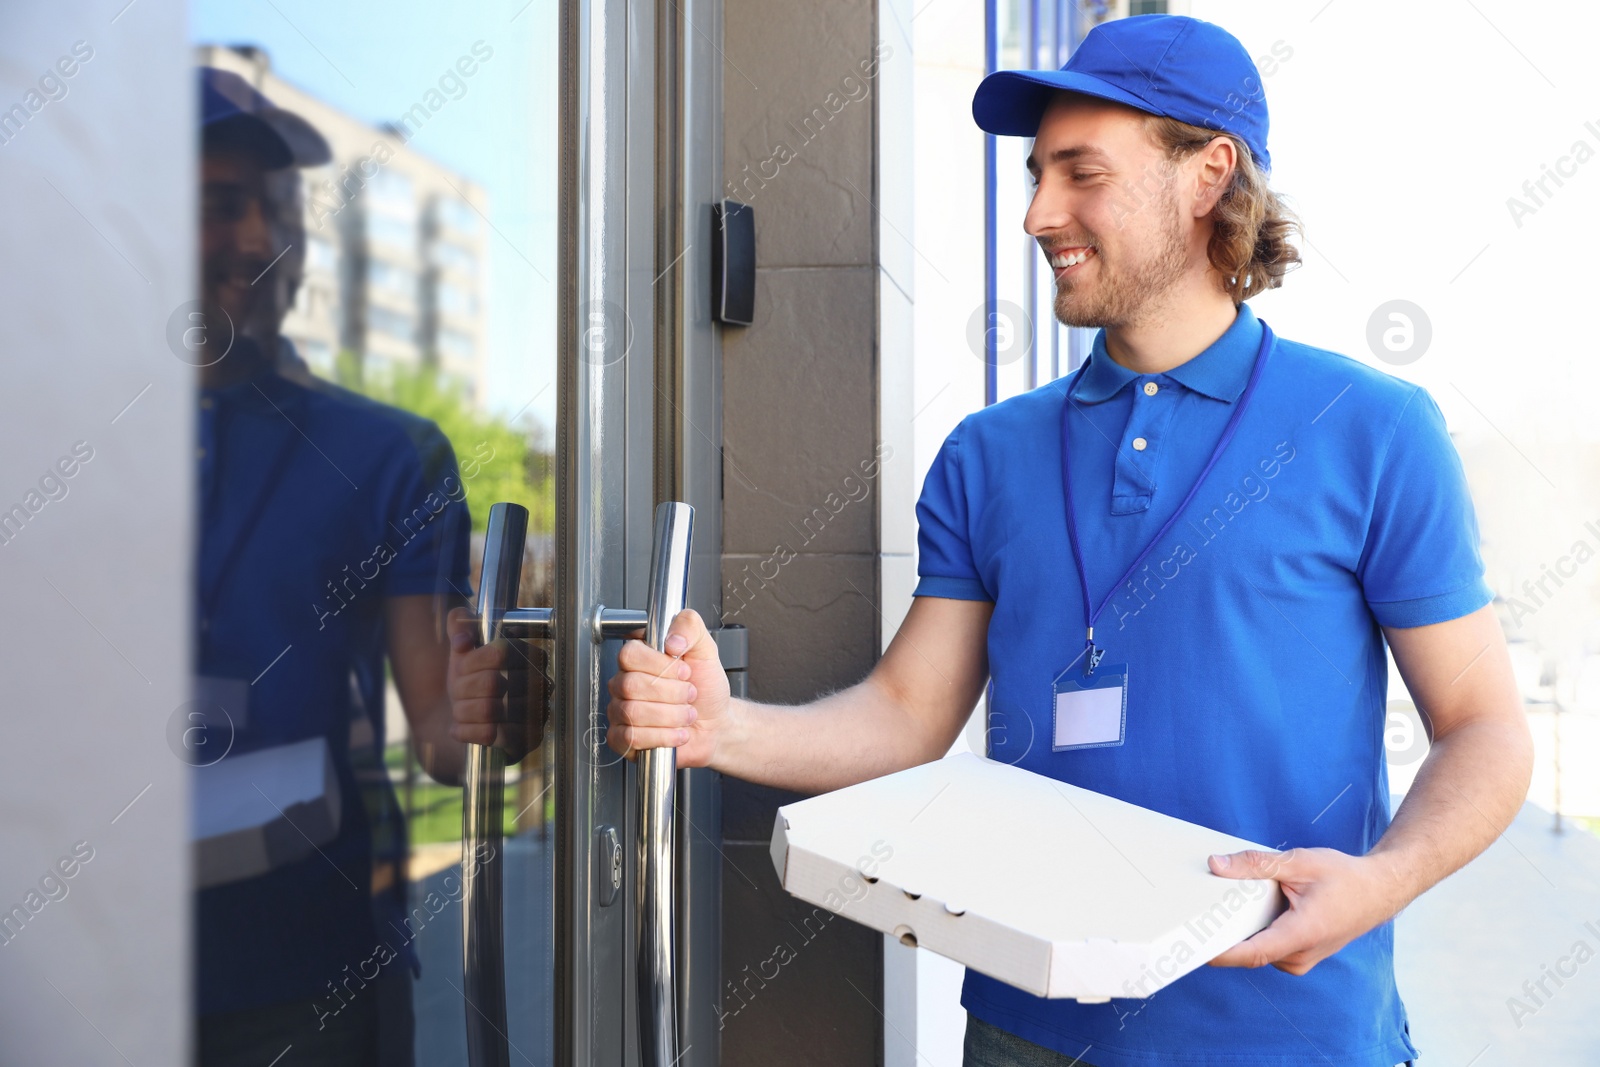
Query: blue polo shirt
x,y
316,506
1256,666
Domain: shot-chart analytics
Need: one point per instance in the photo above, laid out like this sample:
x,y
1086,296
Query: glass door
x,y
453,349
374,343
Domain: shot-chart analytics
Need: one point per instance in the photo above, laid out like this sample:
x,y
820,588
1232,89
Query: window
x,y
316,301
320,255
391,193
457,300
392,231
391,278
455,257
390,323
456,344
456,215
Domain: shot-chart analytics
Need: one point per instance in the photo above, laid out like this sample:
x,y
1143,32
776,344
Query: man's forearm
x,y
1465,794
443,758
838,740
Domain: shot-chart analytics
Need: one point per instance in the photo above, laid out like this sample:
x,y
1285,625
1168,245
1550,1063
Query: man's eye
x,y
222,205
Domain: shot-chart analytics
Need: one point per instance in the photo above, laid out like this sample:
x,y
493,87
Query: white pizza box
x,y
1046,886
256,812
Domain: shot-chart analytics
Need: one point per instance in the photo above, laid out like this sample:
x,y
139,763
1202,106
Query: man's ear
x,y
1216,163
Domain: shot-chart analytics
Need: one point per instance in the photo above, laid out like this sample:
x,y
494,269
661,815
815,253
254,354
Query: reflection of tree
x,y
499,461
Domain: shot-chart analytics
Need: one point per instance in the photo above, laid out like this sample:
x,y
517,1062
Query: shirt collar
x,y
264,391
1220,371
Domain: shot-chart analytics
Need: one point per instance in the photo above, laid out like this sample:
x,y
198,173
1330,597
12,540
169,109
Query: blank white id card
x,y
1090,710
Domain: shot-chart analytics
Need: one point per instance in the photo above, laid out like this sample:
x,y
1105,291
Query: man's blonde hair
x,y
1250,244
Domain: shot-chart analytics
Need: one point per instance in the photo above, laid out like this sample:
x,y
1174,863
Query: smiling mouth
x,y
1070,259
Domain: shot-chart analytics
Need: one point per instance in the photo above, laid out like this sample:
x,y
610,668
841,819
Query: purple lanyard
x,y
1091,614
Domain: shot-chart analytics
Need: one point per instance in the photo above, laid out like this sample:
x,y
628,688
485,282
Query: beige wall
x,y
802,535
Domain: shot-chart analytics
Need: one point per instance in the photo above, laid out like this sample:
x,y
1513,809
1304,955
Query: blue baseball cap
x,y
1170,65
232,111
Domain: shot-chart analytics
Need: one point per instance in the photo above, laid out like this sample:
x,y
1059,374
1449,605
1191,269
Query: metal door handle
x,y
483,970
483,934
669,590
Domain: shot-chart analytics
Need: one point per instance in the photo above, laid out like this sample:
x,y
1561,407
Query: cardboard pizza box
x,y
1049,887
259,811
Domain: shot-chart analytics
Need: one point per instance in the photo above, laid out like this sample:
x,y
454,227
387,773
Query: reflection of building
x,y
1094,12
395,252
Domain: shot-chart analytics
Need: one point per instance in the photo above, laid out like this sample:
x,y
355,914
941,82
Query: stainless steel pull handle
x,y
669,592
483,941
482,914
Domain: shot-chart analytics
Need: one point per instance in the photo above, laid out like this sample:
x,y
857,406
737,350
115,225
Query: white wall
x,y
99,244
930,233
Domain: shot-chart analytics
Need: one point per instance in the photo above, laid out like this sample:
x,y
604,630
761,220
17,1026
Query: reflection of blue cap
x,y
1169,65
233,112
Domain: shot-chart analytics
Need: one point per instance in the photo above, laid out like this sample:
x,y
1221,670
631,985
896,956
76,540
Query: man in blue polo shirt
x,y
1225,525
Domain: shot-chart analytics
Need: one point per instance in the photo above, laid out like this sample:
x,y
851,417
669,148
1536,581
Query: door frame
x,y
638,422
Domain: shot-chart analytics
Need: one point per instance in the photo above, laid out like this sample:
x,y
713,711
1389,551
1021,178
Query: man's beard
x,y
1126,297
254,310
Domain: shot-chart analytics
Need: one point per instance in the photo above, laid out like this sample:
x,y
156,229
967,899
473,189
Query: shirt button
x,y
1139,444
200,453
205,403
1150,388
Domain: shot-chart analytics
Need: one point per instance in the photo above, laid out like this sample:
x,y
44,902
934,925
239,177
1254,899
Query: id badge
x,y
1091,710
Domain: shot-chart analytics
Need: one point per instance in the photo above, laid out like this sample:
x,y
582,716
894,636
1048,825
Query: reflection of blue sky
x,y
374,60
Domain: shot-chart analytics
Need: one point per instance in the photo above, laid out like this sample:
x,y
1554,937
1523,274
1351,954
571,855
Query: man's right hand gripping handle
x,y
674,699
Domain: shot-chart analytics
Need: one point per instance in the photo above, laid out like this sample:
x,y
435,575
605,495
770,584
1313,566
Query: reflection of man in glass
x,y
333,536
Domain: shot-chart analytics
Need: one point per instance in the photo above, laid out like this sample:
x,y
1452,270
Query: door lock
x,y
608,857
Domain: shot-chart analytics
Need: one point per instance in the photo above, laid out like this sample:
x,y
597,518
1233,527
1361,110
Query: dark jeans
x,y
990,1046
373,1030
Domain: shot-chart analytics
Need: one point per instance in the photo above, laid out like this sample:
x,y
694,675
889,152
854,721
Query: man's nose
x,y
1048,212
